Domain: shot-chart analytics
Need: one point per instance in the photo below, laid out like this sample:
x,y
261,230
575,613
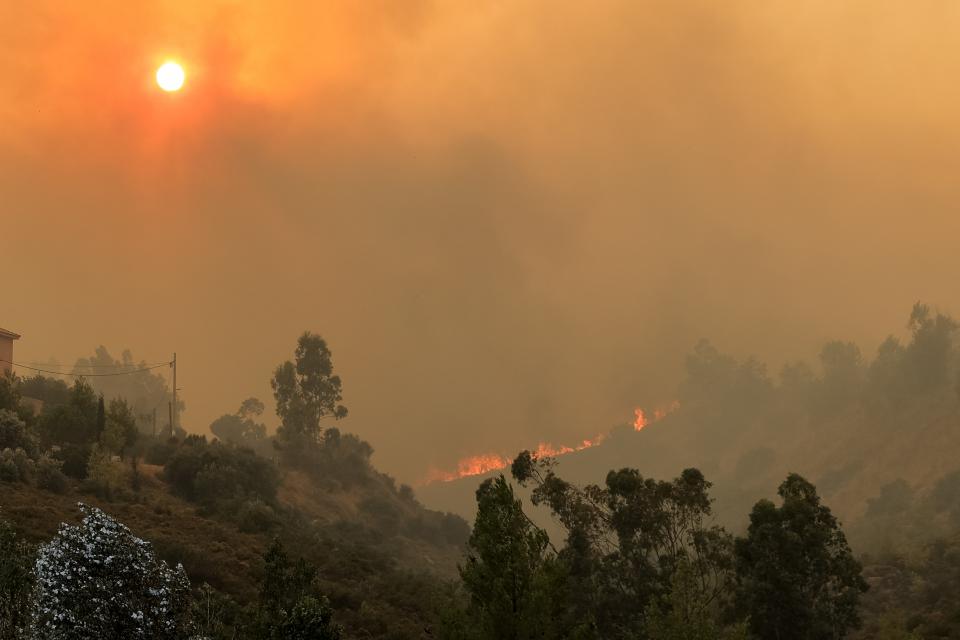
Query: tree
x,y
929,355
120,428
11,396
14,433
290,607
307,391
626,540
98,580
310,619
508,568
687,614
797,578
16,581
843,375
76,421
144,389
240,427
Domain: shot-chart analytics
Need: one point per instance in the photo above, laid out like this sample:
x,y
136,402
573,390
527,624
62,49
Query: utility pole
x,y
176,409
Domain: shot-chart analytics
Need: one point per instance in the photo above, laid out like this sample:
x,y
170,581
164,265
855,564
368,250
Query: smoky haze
x,y
510,220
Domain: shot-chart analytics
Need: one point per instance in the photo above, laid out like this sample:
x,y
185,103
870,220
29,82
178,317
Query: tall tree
x,y
797,578
307,391
509,568
625,541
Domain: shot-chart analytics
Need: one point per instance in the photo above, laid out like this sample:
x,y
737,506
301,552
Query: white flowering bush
x,y
98,580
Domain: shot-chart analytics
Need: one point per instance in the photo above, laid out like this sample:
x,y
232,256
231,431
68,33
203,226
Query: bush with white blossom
x,y
98,580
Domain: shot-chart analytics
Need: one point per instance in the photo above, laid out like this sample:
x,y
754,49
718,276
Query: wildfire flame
x,y
641,420
478,465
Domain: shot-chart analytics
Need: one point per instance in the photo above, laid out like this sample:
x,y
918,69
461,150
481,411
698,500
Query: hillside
x,y
366,541
853,427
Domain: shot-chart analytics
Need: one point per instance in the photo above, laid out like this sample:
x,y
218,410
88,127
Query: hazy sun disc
x,y
170,76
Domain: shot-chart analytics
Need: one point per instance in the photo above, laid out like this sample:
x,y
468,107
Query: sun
x,y
170,76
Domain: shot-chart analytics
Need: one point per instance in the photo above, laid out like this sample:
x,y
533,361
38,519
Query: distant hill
x,y
853,427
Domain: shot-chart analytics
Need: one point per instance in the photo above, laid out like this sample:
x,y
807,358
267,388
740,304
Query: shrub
x,y
74,459
160,452
49,476
16,466
256,516
98,580
14,433
105,478
220,476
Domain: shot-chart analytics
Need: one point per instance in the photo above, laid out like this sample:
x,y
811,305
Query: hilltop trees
x,y
306,391
797,578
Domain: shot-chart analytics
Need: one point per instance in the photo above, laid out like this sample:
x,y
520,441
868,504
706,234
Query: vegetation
x,y
796,575
643,560
227,510
98,580
248,535
307,392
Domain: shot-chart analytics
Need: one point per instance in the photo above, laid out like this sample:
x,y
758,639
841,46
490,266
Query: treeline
x,y
644,559
846,421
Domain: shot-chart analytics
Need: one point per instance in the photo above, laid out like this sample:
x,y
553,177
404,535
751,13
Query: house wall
x,y
6,353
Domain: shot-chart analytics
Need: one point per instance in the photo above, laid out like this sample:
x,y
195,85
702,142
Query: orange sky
x,y
509,219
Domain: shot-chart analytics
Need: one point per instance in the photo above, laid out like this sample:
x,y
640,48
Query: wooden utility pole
x,y
170,409
176,409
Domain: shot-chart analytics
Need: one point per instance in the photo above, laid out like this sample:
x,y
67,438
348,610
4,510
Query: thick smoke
x,y
509,219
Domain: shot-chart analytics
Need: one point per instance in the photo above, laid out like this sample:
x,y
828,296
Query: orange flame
x,y
472,466
659,413
641,420
478,465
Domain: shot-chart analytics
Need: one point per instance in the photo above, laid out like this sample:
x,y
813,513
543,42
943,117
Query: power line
x,y
92,366
89,375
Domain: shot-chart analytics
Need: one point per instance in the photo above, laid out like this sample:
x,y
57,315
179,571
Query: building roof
x,y
8,334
